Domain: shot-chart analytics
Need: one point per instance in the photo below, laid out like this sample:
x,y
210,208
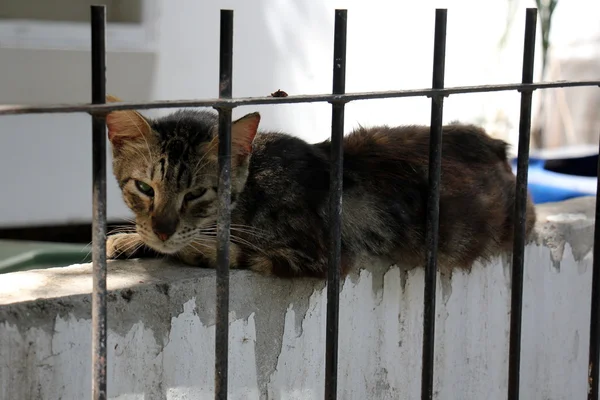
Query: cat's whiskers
x,y
204,239
129,244
89,251
196,247
199,167
132,244
113,231
213,233
122,229
248,227
236,239
130,221
239,240
201,241
250,232
135,250
258,233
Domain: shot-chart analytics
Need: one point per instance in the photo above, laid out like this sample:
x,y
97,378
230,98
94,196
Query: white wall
x,y
45,171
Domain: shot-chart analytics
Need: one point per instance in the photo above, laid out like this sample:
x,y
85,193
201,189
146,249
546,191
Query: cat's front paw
x,y
123,245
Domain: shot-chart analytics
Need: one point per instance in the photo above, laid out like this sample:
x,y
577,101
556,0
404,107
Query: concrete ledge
x,y
161,328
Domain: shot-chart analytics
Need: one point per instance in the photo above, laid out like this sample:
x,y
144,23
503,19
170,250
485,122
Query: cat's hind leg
x,y
289,263
204,255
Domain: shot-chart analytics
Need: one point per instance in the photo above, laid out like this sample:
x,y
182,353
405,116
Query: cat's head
x,y
167,170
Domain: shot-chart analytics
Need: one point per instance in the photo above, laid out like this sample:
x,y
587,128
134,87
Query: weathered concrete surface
x,y
161,328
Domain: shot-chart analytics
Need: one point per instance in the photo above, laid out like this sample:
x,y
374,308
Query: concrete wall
x,y
161,328
278,44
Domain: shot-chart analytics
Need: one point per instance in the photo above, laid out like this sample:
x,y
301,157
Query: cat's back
x,y
477,190
460,142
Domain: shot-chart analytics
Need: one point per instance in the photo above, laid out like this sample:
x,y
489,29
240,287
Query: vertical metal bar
x,y
224,218
433,204
335,206
594,354
516,304
98,18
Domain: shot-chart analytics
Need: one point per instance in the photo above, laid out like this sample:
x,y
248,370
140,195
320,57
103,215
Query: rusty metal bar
x,y
246,101
99,328
335,206
514,360
224,217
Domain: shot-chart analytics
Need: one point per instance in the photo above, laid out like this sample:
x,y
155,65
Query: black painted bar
x,y
514,360
433,205
98,18
594,354
224,218
335,206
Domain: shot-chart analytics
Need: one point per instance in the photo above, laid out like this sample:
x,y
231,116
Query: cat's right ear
x,y
126,125
243,132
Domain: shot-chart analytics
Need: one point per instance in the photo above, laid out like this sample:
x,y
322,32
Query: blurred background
x,y
162,50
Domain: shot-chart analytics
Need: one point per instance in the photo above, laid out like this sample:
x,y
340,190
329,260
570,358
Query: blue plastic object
x,y
561,174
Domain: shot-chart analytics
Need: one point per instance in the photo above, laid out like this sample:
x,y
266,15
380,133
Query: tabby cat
x,y
167,170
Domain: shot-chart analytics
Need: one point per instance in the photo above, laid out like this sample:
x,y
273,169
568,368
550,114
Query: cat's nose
x,y
164,228
162,236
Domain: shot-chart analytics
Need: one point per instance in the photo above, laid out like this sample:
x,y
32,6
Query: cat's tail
x,y
511,183
500,149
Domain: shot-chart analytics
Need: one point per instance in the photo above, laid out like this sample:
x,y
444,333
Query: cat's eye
x,y
144,188
190,196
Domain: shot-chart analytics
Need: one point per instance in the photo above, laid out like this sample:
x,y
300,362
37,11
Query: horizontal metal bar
x,y
247,101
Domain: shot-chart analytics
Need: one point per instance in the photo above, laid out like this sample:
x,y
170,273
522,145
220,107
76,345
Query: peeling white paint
x,y
379,342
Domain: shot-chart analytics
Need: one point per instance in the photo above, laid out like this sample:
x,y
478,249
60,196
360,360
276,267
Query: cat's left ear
x,y
243,132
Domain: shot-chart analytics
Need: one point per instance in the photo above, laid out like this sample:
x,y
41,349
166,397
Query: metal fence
x,y
225,103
